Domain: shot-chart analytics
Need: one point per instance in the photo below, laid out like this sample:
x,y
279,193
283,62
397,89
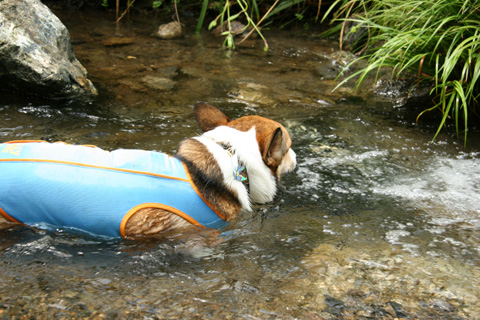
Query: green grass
x,y
436,40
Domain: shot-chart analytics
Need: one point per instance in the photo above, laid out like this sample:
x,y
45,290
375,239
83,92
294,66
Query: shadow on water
x,y
376,222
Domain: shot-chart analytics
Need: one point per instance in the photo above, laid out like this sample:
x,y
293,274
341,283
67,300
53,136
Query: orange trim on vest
x,y
135,209
8,217
24,141
97,167
200,195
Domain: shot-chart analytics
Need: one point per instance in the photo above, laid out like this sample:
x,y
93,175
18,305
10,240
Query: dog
x,y
138,194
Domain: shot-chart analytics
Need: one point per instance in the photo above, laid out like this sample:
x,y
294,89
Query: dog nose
x,y
293,156
288,163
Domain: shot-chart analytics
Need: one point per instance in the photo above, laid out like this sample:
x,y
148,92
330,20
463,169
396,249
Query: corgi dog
x,y
139,194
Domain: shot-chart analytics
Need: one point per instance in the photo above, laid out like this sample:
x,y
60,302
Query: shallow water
x,y
376,221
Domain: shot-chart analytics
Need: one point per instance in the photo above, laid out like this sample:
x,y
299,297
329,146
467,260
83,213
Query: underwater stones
x,y
236,28
380,278
36,54
405,92
158,83
331,64
170,30
252,93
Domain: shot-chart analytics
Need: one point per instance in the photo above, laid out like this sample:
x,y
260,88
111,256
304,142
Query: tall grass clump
x,y
437,41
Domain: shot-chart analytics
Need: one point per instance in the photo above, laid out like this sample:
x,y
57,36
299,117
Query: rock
x,y
245,287
36,55
332,64
252,93
158,83
170,30
441,304
236,28
399,313
392,282
404,92
355,34
342,58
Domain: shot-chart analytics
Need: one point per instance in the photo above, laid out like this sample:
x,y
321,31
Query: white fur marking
x,y
225,164
262,184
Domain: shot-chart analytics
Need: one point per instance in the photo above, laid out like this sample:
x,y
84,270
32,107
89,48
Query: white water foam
x,y
448,190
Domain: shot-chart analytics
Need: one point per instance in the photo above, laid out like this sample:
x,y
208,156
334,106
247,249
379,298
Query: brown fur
x,y
209,117
5,224
273,139
149,222
208,178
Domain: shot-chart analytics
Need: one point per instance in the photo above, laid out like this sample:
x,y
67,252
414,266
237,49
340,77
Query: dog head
x,y
273,141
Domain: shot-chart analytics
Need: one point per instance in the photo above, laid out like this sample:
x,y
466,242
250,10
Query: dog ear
x,y
208,117
276,150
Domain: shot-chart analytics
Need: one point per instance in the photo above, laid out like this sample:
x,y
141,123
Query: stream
x,y
376,222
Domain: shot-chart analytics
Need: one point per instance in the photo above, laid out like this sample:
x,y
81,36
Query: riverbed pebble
x,y
385,276
170,30
252,93
158,83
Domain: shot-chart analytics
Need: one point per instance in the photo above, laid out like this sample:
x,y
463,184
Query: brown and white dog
x,y
233,164
261,144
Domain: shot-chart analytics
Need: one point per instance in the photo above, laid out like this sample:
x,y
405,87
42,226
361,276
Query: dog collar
x,y
239,169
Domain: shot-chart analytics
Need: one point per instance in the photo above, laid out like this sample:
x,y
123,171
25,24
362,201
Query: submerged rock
x,y
36,55
252,93
158,83
170,30
387,279
404,92
236,28
332,64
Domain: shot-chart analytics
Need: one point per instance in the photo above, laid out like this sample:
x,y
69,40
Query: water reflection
x,y
376,222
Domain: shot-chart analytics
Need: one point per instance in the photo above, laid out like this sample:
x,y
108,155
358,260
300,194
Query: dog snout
x,y
288,163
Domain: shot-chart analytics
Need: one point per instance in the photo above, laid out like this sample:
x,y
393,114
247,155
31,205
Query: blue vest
x,y
92,190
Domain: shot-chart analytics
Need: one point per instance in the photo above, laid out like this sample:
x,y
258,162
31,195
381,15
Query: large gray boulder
x,y
36,54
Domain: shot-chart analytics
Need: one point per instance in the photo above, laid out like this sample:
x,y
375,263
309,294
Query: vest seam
x,y
79,164
194,187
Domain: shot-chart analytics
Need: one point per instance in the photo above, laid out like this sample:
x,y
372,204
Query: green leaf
x,y
157,4
212,25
